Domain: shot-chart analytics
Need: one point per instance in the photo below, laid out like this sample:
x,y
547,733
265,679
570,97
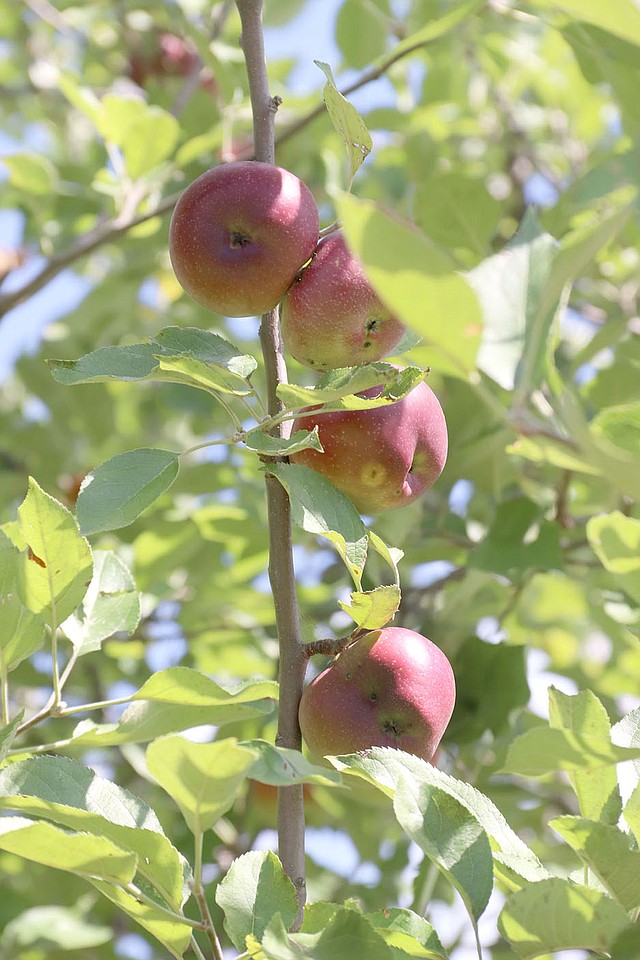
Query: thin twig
x,y
201,899
105,232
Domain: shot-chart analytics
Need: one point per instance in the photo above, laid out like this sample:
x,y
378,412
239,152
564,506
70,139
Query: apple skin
x,y
381,458
390,688
239,235
331,316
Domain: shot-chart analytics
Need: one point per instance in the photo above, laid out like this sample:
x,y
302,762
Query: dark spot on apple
x,y
392,727
374,696
239,239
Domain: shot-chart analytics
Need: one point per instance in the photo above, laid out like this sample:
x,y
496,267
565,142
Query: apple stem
x,y
292,665
331,228
332,646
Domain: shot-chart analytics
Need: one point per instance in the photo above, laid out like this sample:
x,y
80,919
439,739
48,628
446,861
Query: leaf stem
x,y
201,899
47,711
196,948
142,897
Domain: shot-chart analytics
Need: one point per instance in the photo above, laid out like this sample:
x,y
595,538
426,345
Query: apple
x,y
390,688
332,317
384,457
162,54
239,235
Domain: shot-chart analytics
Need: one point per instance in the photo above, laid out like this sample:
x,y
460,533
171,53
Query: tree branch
x,y
281,570
106,231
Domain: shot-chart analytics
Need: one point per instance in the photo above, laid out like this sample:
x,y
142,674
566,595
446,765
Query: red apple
x,y
391,688
239,234
331,316
384,457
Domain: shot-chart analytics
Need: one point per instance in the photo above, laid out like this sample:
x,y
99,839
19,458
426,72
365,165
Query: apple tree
x,y
321,383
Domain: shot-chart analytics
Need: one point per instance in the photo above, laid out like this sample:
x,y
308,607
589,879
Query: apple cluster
x,y
245,238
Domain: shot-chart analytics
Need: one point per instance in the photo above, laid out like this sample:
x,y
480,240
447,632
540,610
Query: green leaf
x,y
319,508
32,173
146,134
176,699
578,248
208,347
347,935
407,933
336,389
202,778
542,750
585,716
254,889
8,734
373,608
360,33
458,212
513,289
173,935
48,928
22,632
556,914
605,849
347,122
436,28
626,733
480,666
632,812
615,538
619,17
283,767
392,555
111,605
82,98
212,377
180,354
268,446
56,567
418,282
79,853
620,425
383,767
451,837
68,793
182,685
508,546
134,361
114,494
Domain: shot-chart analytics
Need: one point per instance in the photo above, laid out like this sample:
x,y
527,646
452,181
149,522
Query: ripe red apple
x,y
331,316
384,457
239,234
391,688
